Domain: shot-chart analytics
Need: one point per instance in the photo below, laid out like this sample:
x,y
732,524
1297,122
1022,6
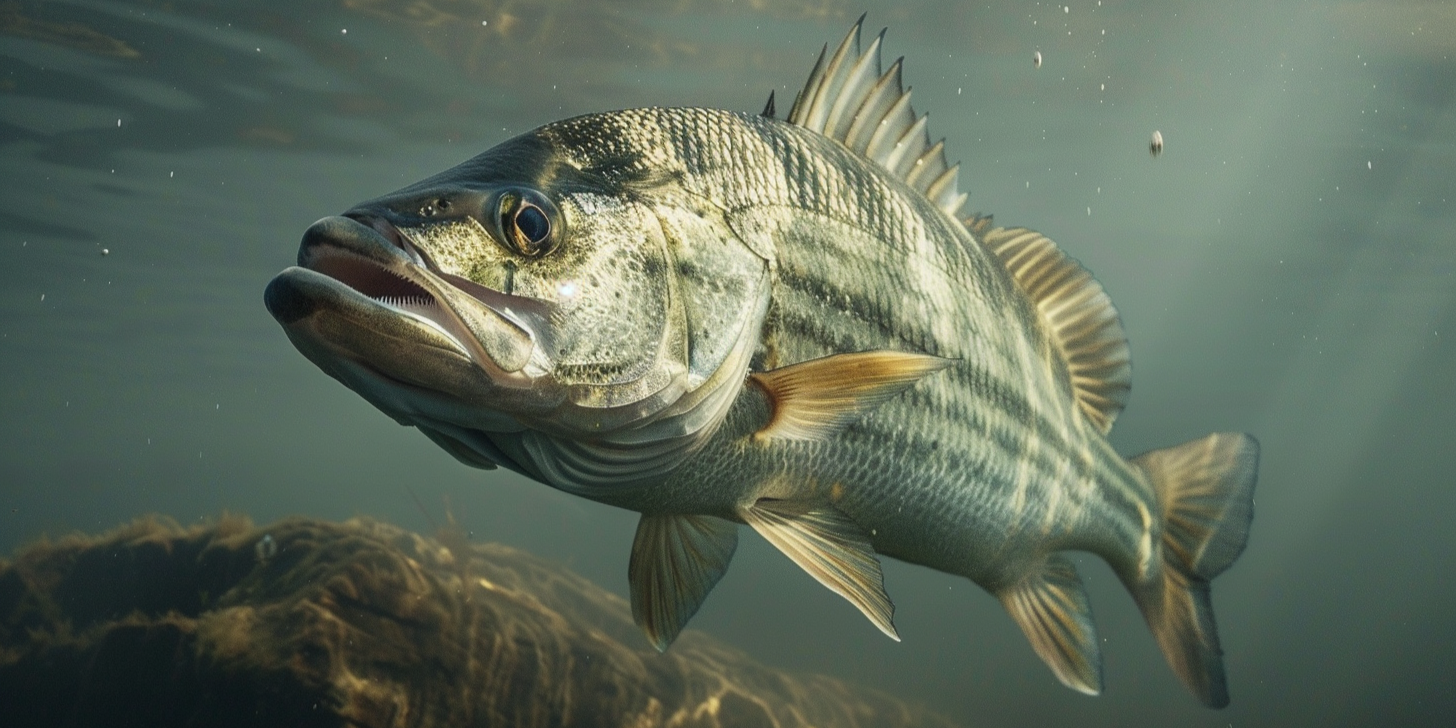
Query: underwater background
x,y
1286,267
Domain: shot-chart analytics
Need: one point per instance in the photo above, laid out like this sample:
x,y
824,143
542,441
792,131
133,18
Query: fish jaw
x,y
367,310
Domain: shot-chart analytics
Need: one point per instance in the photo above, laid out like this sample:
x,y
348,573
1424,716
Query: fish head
x,y
515,295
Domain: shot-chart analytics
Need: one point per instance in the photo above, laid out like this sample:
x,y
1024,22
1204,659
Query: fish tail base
x,y
1205,489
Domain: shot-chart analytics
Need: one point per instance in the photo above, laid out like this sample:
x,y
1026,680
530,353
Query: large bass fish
x,y
716,318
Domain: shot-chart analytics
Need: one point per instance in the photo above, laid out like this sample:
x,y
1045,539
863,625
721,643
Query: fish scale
x,y
886,314
715,319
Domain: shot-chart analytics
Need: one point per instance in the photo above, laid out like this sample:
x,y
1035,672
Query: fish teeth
x,y
406,302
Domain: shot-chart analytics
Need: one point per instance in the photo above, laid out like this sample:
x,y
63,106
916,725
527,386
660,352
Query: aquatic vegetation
x,y
366,624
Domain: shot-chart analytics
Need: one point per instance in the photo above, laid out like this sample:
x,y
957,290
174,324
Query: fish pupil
x,y
532,224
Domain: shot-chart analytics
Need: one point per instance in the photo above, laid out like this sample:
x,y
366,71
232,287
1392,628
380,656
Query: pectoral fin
x,y
832,548
811,400
1051,607
676,561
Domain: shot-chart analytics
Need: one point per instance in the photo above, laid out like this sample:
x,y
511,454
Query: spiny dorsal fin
x,y
978,224
849,100
1078,315
768,108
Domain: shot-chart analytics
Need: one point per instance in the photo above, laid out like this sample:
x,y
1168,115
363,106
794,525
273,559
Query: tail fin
x,y
1206,488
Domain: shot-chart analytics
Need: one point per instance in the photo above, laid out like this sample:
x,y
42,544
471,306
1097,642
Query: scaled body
x,y
716,318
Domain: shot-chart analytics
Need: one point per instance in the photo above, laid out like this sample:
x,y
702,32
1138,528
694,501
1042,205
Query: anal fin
x,y
1051,607
813,399
832,548
676,561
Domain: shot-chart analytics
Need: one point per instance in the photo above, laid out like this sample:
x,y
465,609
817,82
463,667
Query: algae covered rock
x,y
360,623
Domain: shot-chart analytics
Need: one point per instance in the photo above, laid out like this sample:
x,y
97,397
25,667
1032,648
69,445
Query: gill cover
x,y
642,307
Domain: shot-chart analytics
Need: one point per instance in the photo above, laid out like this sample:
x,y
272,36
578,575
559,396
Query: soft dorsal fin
x,y
979,224
849,100
1077,313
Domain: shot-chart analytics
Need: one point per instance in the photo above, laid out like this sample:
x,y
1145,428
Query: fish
x,y
1155,147
720,319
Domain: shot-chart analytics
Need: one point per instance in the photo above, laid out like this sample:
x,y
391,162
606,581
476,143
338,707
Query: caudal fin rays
x,y
1206,489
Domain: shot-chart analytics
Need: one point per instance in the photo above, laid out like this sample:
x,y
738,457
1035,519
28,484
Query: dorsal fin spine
x,y
845,107
925,164
888,132
805,96
932,166
849,100
834,80
979,224
946,182
898,159
881,98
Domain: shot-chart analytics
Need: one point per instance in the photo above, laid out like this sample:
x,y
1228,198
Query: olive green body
x,y
979,470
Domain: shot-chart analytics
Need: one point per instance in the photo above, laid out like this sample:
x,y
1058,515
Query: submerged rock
x,y
313,623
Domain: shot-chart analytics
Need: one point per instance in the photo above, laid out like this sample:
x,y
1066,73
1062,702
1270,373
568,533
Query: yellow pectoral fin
x,y
812,400
832,548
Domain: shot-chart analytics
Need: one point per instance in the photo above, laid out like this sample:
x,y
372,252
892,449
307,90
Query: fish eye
x,y
526,222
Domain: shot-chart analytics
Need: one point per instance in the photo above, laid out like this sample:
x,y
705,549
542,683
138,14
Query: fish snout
x,y
285,302
372,238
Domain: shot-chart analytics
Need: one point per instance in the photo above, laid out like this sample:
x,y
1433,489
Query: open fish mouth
x,y
365,269
391,283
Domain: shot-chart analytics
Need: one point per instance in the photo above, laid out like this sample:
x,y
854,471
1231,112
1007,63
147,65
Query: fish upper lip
x,y
392,272
360,267
393,235
511,306
531,314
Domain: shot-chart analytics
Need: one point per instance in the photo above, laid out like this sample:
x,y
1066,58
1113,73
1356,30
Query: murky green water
x,y
1287,267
